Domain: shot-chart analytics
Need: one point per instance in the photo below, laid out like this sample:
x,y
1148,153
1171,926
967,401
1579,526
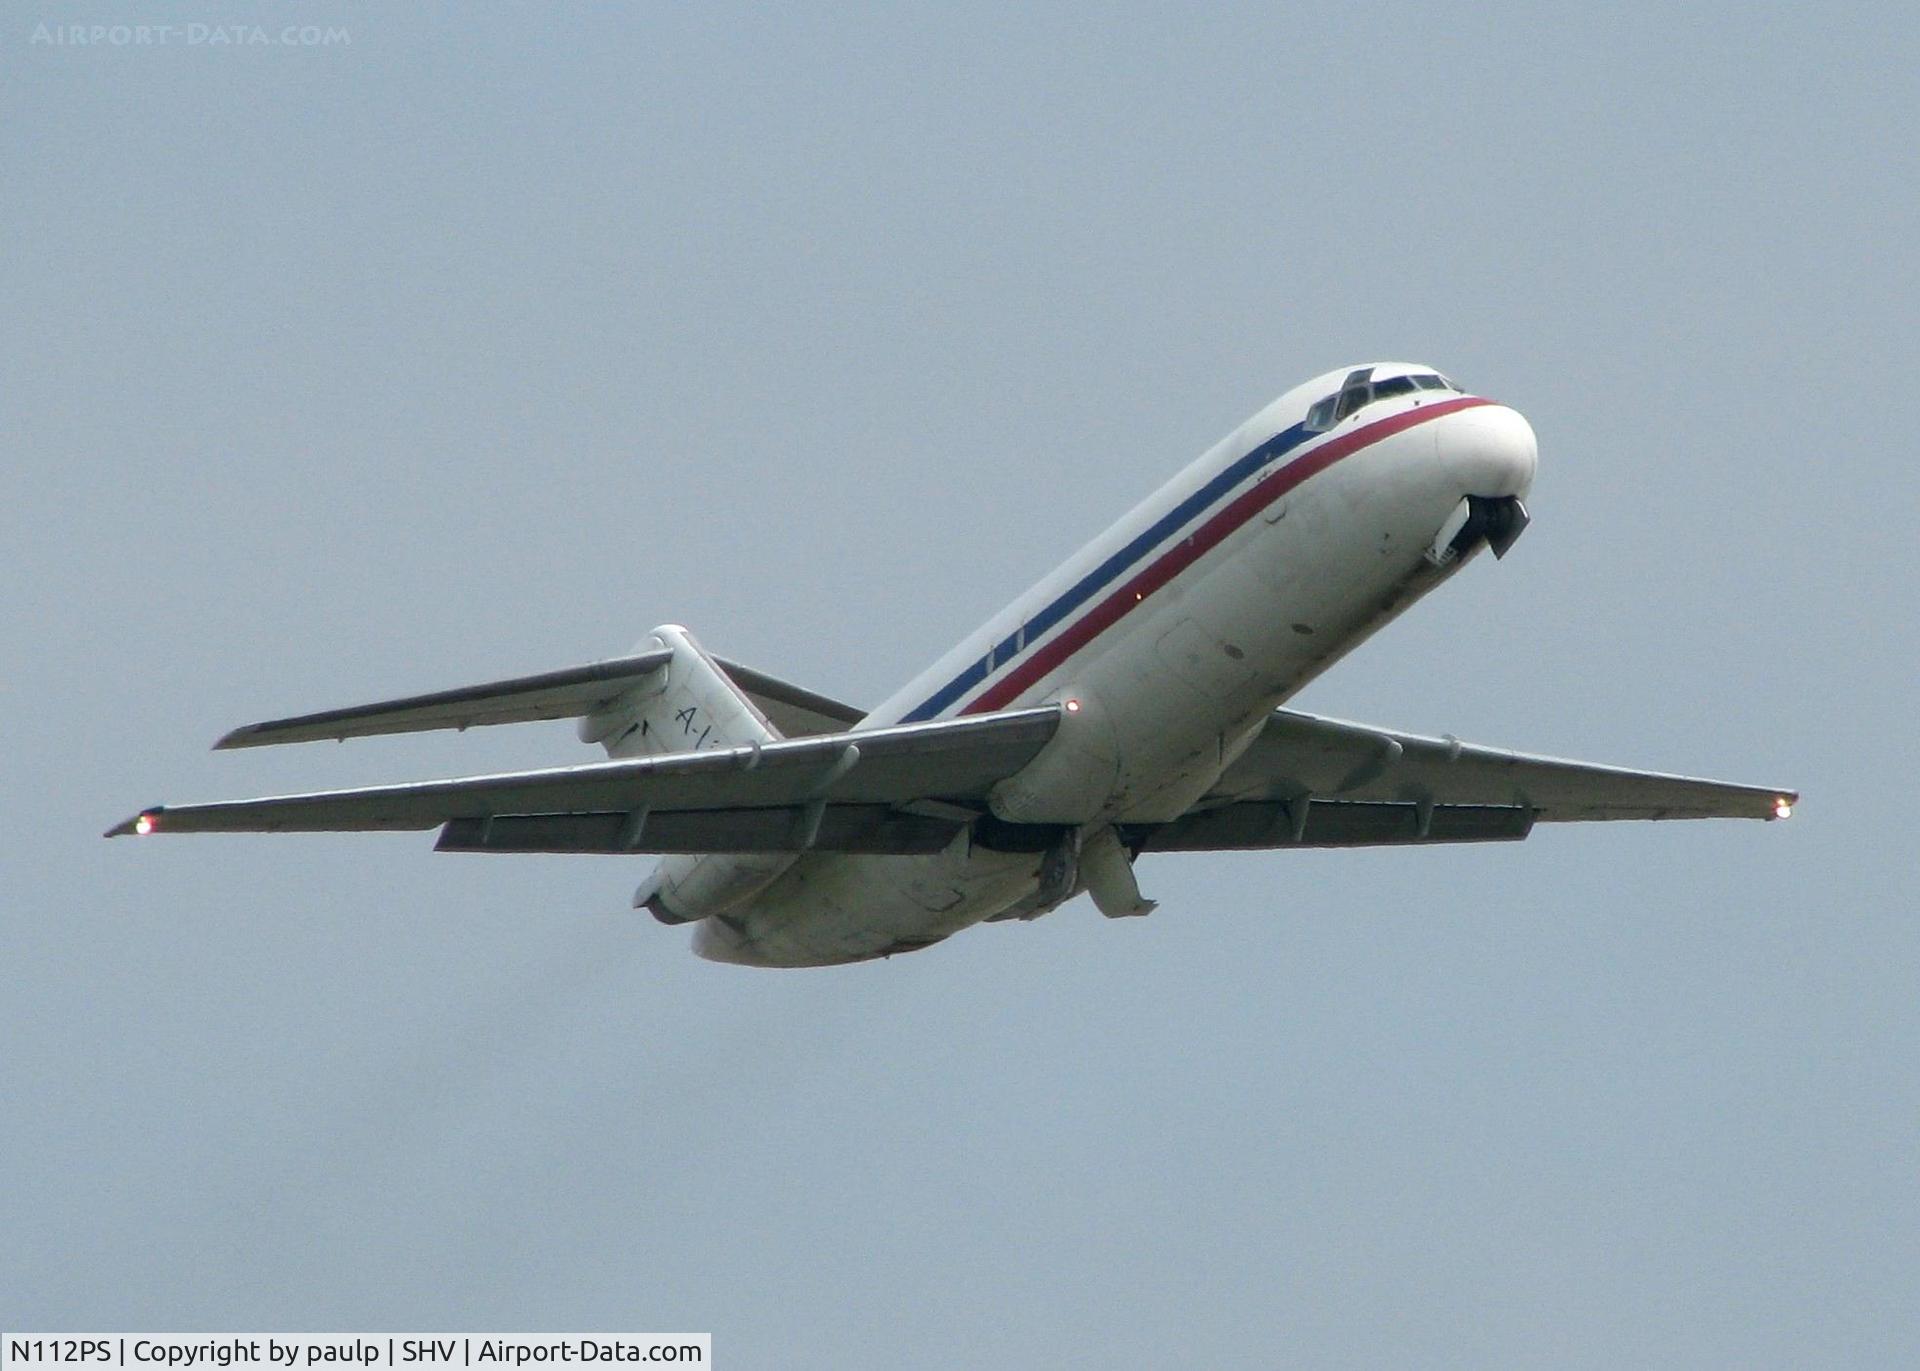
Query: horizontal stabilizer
x,y
563,694
566,694
796,711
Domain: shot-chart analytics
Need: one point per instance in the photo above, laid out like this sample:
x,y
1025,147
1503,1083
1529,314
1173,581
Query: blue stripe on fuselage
x,y
1022,640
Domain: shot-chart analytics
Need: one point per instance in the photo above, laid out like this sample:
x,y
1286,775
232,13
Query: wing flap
x,y
1304,754
1264,824
872,829
952,760
1333,823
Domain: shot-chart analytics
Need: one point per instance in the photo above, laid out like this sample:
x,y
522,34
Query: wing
x,y
1318,782
906,789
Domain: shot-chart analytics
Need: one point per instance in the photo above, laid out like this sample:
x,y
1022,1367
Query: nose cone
x,y
1490,450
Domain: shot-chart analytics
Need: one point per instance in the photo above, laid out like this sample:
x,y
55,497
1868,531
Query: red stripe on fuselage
x,y
1197,544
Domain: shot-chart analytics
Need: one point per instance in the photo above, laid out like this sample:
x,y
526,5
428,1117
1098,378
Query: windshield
x,y
1360,390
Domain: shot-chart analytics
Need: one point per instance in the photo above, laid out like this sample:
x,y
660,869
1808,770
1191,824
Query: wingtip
x,y
238,737
137,826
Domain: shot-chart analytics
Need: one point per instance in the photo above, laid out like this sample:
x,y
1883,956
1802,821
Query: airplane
x,y
1131,702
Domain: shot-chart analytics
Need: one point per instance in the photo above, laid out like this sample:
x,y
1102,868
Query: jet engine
x,y
684,890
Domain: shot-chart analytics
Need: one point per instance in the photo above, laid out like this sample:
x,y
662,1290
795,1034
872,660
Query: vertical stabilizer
x,y
689,705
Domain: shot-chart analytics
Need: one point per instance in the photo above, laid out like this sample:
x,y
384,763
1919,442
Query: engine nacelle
x,y
1075,775
684,890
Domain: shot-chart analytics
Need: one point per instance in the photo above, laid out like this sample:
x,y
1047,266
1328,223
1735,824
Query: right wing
x,y
1316,782
904,789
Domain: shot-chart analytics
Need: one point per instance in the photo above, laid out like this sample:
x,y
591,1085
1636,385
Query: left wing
x,y
833,792
1317,782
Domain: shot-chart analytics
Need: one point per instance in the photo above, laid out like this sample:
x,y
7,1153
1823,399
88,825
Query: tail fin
x,y
690,705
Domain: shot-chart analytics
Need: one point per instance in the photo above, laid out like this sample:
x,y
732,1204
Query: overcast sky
x,y
484,340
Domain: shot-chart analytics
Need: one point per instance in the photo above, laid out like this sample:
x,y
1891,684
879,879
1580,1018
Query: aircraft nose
x,y
1490,449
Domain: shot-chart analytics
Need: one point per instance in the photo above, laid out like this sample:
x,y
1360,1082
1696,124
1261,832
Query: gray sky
x,y
487,340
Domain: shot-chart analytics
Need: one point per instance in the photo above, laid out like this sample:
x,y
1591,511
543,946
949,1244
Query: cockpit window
x,y
1359,391
1355,392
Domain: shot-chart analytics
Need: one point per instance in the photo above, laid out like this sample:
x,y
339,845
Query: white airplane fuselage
x,y
1167,641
